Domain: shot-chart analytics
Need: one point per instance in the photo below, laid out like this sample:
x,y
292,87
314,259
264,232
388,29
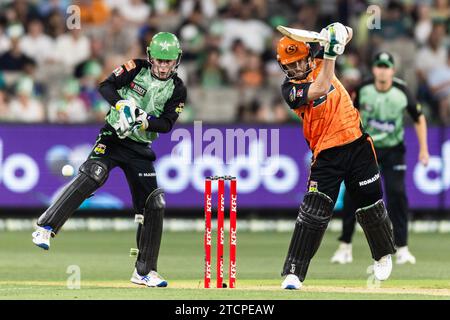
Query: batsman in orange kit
x,y
342,151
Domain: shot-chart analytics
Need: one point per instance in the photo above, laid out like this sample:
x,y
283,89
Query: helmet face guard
x,y
164,47
297,73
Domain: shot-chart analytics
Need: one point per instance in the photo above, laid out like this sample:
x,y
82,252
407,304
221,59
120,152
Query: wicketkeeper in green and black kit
x,y
146,98
381,102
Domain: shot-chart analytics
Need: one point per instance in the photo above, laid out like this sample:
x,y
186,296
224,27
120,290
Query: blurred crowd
x,y
49,71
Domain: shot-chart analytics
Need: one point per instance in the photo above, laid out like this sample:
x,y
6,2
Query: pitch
x,y
105,268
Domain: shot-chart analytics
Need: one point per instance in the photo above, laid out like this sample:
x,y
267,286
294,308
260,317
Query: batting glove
x,y
337,34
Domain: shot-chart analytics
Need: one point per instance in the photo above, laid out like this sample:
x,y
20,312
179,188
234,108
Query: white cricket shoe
x,y
404,256
382,268
343,254
41,237
291,282
153,279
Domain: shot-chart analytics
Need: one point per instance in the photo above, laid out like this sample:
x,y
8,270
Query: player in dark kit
x,y
146,98
382,101
342,151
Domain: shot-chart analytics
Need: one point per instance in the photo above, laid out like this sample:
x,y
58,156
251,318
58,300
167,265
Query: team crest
x,y
292,94
100,149
312,186
130,65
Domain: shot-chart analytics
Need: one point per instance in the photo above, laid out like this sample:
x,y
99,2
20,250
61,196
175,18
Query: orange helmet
x,y
290,51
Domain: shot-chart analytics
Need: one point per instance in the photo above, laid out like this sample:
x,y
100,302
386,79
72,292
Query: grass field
x,y
27,272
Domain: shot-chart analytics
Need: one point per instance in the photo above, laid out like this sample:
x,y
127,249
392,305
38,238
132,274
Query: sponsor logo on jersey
x,y
118,71
369,181
383,126
100,149
138,89
147,174
130,65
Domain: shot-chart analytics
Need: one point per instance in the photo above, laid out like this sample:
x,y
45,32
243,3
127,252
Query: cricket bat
x,y
307,36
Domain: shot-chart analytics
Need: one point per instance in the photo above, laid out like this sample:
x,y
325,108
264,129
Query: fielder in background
x,y
342,151
146,98
382,101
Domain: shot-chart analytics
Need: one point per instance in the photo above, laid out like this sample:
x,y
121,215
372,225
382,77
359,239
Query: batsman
x,y
342,151
146,96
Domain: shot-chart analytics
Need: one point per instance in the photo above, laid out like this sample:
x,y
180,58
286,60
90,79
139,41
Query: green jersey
x,y
382,112
163,100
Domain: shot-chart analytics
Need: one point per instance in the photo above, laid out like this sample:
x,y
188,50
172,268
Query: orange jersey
x,y
328,121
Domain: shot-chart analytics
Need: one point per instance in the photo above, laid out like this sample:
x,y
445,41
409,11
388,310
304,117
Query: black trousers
x,y
393,168
355,164
135,159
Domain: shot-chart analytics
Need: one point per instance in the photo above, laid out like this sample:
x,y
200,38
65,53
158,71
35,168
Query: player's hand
x,y
127,117
337,34
424,157
141,122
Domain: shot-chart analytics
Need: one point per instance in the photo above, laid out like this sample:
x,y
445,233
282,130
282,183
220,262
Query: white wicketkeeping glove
x,y
127,117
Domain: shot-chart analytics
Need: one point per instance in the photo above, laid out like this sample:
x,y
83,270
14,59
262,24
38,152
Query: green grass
x,y
27,272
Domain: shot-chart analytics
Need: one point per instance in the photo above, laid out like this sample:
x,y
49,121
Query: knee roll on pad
x,y
150,232
91,176
312,221
377,227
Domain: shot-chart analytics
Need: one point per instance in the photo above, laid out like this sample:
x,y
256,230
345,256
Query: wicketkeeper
x,y
342,151
146,98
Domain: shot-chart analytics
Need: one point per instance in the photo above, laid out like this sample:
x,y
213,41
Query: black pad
x,y
312,221
91,176
150,232
377,227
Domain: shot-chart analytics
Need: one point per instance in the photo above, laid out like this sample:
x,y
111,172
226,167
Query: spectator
x,y
439,82
117,37
252,75
4,109
212,75
70,108
253,33
72,48
95,12
35,43
424,24
235,60
208,8
134,11
25,107
14,60
5,42
55,24
434,54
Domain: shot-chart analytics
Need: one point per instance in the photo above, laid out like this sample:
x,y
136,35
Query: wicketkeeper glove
x,y
141,122
337,34
127,117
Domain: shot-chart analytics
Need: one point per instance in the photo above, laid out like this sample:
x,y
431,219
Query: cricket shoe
x,y
343,254
403,256
153,279
382,268
41,237
291,282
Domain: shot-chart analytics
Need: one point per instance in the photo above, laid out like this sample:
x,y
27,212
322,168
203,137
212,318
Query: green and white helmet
x,y
165,46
